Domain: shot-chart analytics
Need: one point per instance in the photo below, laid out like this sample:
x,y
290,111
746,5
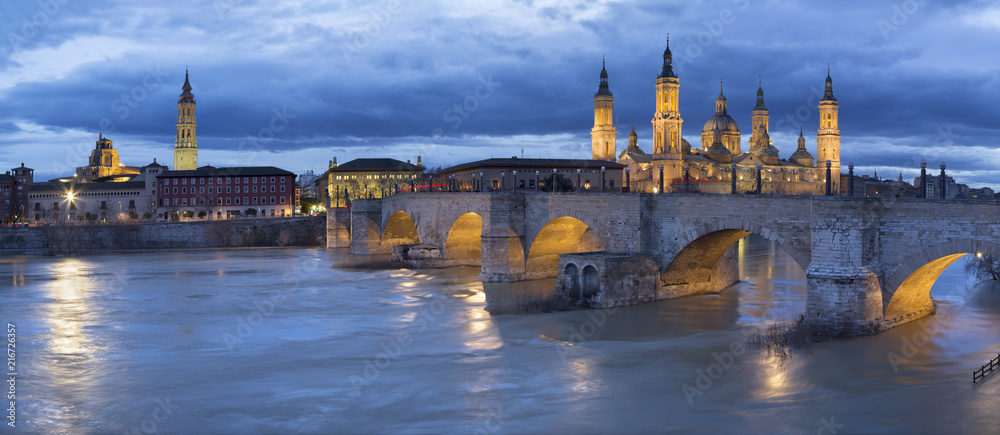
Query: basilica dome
x,y
725,123
721,120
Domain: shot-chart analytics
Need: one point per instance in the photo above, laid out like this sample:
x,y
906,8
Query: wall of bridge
x,y
869,262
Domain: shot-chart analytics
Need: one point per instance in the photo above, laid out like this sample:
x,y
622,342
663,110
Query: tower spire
x,y
828,94
668,63
720,102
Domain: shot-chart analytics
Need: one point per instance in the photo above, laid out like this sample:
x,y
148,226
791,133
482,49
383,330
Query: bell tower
x,y
760,116
602,136
667,118
186,142
828,137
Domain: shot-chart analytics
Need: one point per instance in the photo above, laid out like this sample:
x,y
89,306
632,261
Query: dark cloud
x,y
396,78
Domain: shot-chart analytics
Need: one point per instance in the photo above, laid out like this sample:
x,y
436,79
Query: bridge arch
x,y
464,240
562,235
700,250
906,291
399,229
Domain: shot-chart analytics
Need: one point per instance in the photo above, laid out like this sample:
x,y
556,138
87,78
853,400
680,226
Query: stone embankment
x,y
132,237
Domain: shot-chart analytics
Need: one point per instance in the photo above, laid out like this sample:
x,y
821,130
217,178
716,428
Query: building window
x,y
255,189
185,189
586,184
282,187
229,180
210,188
282,179
184,201
272,188
237,201
520,184
496,184
282,199
229,201
611,184
175,190
246,200
220,180
201,201
245,179
184,181
201,190
272,179
272,200
210,200
176,202
211,180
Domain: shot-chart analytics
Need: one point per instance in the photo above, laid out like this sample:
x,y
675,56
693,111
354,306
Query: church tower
x,y
760,116
667,118
186,142
828,139
602,136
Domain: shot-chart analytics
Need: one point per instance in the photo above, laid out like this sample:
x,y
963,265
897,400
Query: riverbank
x,y
153,237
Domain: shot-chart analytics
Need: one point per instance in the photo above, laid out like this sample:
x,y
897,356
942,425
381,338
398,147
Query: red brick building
x,y
225,193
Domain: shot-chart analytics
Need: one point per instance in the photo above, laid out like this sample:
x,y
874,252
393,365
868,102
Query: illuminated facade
x,y
676,166
104,165
368,178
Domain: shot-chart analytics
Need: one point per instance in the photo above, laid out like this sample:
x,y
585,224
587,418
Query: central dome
x,y
726,124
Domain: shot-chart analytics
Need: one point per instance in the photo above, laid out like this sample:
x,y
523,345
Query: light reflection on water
x,y
105,337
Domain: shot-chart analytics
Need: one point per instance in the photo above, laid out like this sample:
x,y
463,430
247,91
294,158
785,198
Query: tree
x,y
307,203
188,214
562,184
251,212
983,267
202,214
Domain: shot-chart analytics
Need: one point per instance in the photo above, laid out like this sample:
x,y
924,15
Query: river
x,y
279,341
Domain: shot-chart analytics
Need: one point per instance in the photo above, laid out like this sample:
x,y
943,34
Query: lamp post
x,y
732,178
829,178
944,184
628,180
759,175
661,178
503,180
602,179
923,178
513,182
536,180
578,185
850,179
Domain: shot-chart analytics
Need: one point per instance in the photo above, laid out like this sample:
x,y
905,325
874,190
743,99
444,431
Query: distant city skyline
x,y
461,82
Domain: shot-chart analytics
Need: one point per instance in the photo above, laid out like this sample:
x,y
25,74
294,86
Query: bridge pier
x,y
338,228
503,256
844,290
366,219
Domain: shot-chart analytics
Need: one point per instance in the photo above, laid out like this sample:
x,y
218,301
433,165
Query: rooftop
x,y
241,171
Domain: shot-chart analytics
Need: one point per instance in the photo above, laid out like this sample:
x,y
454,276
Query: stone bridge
x,y
869,262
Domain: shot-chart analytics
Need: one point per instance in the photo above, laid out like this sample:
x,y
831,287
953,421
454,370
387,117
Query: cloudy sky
x,y
296,83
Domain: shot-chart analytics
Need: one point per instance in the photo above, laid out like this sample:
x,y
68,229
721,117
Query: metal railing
x,y
986,368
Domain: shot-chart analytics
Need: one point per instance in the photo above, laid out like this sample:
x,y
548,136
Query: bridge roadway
x,y
869,262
